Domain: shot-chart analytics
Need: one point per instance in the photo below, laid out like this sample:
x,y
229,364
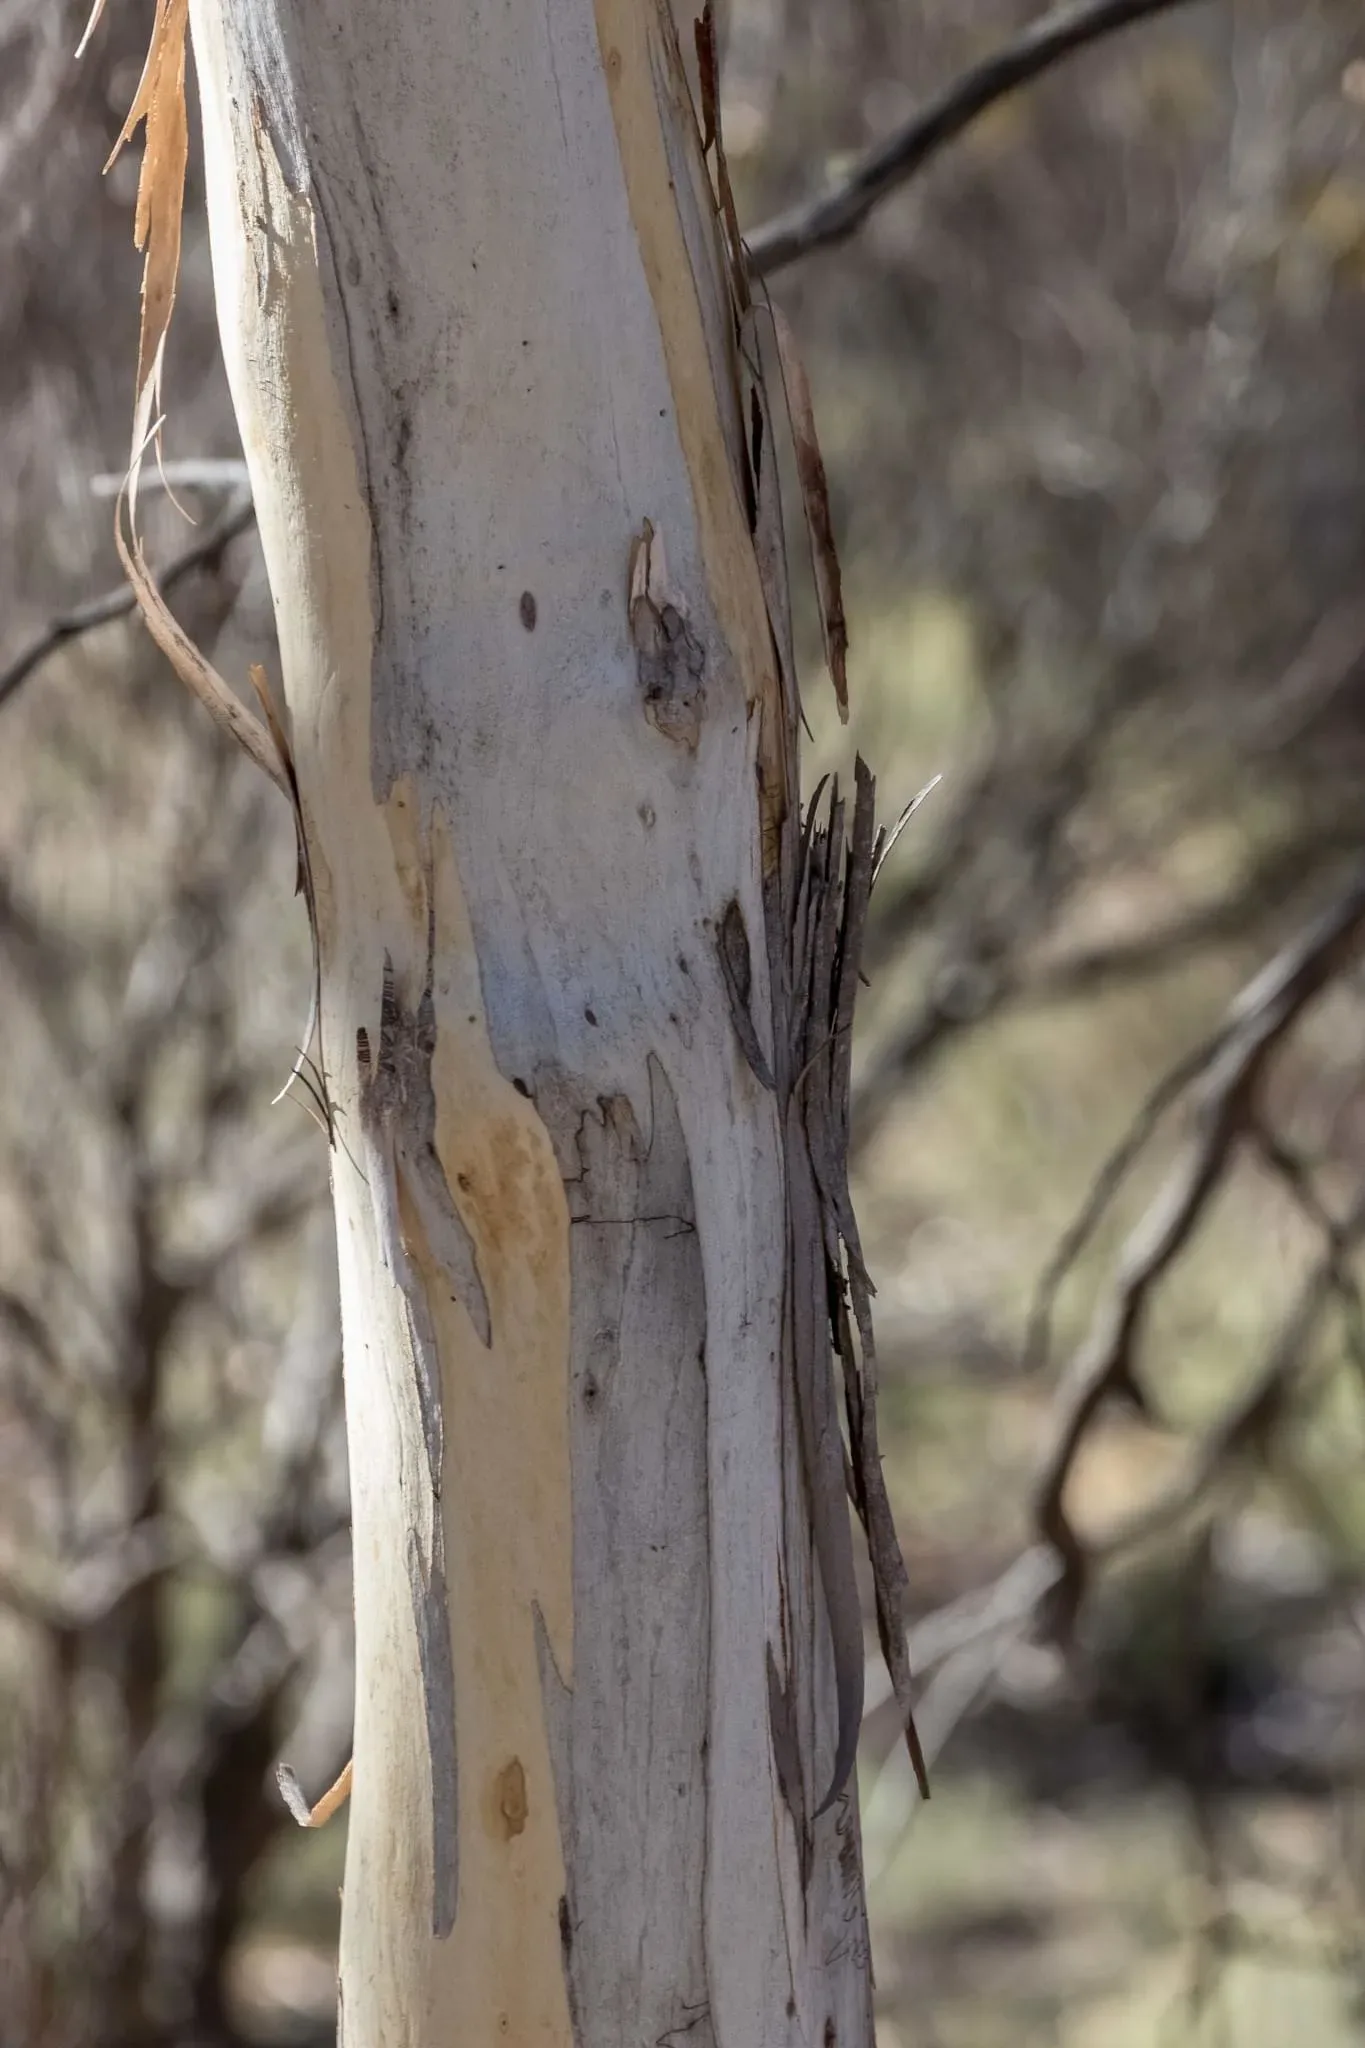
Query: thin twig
x,y
1102,1190
1290,1167
1246,1424
838,213
969,1636
236,517
191,473
1104,1365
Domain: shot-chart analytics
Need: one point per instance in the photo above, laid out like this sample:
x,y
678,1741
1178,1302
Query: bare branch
x,y
236,517
1224,1113
1103,1188
1246,1423
1301,967
965,1641
835,215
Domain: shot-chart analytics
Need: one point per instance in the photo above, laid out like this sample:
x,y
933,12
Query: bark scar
x,y
670,660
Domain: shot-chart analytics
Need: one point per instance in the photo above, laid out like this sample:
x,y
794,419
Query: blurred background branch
x,y
1091,392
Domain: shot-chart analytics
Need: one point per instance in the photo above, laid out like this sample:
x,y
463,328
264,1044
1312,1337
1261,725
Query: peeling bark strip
x,y
398,1124
816,893
831,882
810,468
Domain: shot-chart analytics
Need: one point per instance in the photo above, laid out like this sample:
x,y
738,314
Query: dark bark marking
x,y
431,1617
670,661
737,972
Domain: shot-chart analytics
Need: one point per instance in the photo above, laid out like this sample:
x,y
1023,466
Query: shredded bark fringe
x,y
819,868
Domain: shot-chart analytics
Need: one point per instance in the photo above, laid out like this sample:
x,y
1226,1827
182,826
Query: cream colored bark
x,y
476,322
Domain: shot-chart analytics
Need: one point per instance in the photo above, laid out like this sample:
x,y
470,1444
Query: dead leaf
x,y
810,468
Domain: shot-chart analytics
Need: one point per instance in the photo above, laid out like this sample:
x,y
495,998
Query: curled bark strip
x,y
810,468
332,1800
159,103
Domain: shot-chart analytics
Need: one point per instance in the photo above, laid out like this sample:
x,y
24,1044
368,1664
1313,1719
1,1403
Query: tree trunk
x,y
480,323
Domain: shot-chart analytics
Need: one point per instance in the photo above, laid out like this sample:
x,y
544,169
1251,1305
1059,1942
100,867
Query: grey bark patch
x,y
273,72
629,1735
431,1617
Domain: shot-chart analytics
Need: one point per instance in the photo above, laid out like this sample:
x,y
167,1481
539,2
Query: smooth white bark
x,y
476,329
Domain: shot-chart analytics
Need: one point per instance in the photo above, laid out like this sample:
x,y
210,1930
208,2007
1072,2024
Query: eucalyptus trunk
x,y
499,383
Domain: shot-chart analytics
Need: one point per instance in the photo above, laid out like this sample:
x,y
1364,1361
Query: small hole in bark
x,y
463,1183
590,1391
392,303
527,609
647,816
682,962
831,2034
591,1015
521,1086
791,2008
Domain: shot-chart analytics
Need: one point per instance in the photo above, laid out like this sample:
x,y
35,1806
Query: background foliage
x,y
1091,391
